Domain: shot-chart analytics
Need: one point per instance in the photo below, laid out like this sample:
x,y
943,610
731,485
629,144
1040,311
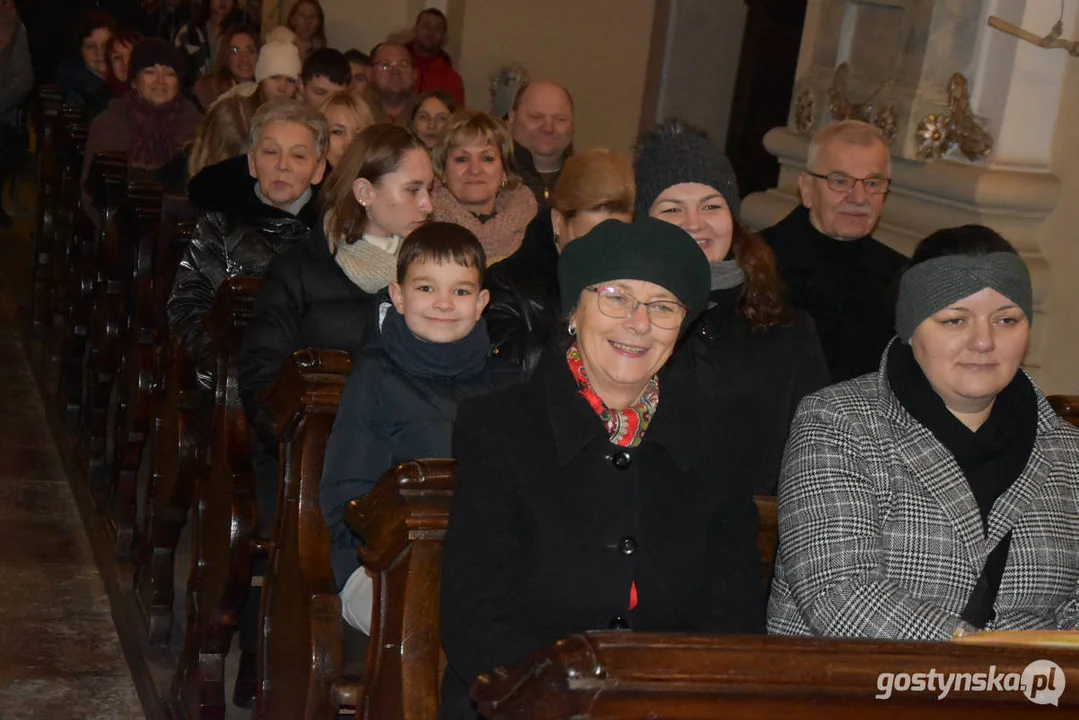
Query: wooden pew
x,y
1067,406
300,653
129,362
177,441
403,522
105,273
73,229
47,119
223,520
615,675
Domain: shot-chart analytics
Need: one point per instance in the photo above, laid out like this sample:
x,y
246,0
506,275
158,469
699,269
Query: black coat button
x,y
621,459
627,546
619,622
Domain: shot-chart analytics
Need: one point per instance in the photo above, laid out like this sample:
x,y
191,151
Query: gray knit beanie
x,y
674,153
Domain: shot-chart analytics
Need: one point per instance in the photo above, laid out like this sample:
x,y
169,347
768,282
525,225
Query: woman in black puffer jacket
x,y
251,208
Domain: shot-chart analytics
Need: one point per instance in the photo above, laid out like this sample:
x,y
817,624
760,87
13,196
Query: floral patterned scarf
x,y
625,427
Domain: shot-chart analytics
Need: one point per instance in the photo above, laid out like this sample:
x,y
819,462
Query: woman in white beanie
x,y
278,70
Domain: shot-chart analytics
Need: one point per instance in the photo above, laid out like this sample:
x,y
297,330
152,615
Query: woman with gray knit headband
x,y
940,495
748,339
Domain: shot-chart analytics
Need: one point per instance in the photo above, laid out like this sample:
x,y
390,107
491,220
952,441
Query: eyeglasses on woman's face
x,y
617,303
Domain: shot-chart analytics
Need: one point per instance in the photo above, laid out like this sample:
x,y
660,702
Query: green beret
x,y
647,249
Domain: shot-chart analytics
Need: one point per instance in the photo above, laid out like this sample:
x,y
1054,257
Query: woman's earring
x,y
556,240
571,330
502,185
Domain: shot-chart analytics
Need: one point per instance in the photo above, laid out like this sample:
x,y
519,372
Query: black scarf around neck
x,y
992,457
462,359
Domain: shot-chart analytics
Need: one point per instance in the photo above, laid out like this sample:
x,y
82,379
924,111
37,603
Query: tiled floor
x,y
60,656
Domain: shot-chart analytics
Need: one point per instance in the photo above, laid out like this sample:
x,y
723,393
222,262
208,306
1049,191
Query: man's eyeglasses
x,y
841,182
617,303
399,65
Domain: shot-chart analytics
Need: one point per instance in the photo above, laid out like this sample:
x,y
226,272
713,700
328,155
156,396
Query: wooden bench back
x,y
614,675
300,639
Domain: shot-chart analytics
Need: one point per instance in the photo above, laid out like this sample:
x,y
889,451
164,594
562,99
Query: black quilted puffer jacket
x,y
237,235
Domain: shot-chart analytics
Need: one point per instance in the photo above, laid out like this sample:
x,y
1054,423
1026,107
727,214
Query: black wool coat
x,y
306,301
771,370
547,533
848,288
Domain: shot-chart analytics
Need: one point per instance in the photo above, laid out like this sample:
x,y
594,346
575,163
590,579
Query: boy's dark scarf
x,y
155,137
992,457
462,359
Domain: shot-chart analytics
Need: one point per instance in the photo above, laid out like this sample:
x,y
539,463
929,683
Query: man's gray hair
x,y
291,111
851,132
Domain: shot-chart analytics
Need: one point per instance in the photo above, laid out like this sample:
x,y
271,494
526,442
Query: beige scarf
x,y
369,262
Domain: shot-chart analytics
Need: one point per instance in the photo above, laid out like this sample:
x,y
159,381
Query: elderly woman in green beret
x,y
940,495
602,493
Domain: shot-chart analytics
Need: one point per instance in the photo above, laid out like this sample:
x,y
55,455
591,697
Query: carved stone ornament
x,y
939,135
842,108
934,136
505,82
804,108
973,139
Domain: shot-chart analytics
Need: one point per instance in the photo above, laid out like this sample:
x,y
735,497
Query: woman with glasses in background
x,y
602,493
235,64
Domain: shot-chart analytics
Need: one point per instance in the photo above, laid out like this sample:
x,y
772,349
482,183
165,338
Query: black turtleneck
x,y
847,286
991,457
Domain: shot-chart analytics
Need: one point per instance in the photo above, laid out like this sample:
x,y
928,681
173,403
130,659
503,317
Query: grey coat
x,y
880,535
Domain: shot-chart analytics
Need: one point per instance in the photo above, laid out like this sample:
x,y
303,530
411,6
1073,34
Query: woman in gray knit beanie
x,y
909,494
748,337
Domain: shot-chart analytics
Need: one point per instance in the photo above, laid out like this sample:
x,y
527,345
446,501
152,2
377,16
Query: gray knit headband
x,y
933,285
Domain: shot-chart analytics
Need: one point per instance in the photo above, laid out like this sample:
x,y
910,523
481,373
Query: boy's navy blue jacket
x,y
390,414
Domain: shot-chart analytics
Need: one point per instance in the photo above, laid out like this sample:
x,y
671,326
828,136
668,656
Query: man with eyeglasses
x,y
393,78
827,257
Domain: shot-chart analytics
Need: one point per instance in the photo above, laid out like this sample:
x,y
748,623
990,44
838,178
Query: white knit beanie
x,y
278,58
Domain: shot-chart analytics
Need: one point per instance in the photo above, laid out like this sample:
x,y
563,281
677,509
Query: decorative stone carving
x,y
505,82
804,111
939,135
934,135
842,108
974,140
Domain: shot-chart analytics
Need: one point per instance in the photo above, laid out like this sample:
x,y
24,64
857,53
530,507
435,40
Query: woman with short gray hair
x,y
938,496
251,208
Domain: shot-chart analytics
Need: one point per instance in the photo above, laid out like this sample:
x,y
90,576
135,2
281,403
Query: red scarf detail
x,y
625,427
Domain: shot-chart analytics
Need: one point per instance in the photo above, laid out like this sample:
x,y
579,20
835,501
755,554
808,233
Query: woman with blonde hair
x,y
347,117
595,185
223,133
479,188
234,64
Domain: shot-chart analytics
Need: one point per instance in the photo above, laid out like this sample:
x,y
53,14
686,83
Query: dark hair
x,y
360,58
376,152
120,37
222,76
437,13
439,95
440,243
964,240
88,22
329,63
763,302
320,36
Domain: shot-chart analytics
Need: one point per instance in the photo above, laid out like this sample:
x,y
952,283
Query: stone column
x,y
891,62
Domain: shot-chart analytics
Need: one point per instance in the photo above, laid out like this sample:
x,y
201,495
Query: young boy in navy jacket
x,y
401,399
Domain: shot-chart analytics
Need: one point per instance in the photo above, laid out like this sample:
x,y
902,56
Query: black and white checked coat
x,y
880,535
